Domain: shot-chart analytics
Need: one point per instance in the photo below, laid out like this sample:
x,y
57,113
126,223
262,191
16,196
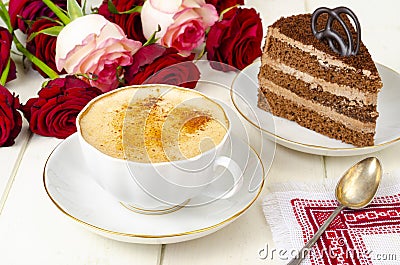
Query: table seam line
x,y
161,254
324,167
14,172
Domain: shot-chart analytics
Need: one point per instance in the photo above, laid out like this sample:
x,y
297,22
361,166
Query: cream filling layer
x,y
322,57
335,89
350,123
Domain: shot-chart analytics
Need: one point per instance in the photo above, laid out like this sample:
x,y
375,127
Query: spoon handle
x,y
306,249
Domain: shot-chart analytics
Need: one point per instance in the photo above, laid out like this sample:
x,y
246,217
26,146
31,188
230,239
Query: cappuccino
x,y
161,126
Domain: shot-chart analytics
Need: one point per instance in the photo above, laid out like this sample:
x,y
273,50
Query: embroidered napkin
x,y
369,236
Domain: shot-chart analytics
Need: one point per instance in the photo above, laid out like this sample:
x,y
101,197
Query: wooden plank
x,y
25,86
34,231
9,161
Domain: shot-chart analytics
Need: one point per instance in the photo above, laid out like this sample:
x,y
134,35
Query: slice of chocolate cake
x,y
302,79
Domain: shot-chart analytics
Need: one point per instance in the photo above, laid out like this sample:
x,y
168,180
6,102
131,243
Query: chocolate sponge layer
x,y
342,105
307,63
279,106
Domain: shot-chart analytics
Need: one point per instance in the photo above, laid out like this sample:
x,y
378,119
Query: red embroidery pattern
x,y
342,243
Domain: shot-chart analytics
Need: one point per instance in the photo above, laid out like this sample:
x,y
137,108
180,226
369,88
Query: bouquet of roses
x,y
121,42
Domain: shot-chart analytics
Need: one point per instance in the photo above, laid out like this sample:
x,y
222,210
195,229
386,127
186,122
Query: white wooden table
x,y
33,231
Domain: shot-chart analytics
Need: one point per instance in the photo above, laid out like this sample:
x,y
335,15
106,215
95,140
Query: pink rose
x,y
183,22
93,46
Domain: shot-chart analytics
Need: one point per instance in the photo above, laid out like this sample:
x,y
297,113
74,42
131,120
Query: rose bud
x,y
54,112
131,24
235,41
5,48
93,46
24,10
10,118
221,5
183,23
43,45
155,64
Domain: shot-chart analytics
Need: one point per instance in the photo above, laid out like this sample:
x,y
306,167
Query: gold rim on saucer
x,y
192,232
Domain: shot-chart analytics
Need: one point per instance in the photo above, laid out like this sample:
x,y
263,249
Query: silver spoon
x,y
355,190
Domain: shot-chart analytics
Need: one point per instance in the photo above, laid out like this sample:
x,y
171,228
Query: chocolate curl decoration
x,y
333,37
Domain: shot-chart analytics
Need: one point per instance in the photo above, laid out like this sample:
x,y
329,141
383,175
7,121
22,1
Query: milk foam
x,y
163,125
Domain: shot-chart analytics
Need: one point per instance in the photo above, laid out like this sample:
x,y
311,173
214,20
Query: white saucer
x,y
70,187
288,133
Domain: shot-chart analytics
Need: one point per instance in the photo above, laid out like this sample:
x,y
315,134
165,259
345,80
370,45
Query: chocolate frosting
x,y
298,28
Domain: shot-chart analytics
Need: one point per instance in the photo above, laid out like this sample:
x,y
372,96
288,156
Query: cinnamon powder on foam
x,y
157,131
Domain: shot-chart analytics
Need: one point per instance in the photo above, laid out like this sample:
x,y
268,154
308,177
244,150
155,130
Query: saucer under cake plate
x,y
68,183
244,95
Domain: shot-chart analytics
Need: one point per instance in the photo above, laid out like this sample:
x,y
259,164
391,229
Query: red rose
x,y
42,45
5,47
130,23
28,10
155,64
221,5
10,118
235,41
54,112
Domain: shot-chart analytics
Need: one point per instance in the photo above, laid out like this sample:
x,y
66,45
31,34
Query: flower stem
x,y
39,63
57,10
221,16
4,75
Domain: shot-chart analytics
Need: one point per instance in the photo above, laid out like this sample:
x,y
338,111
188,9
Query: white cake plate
x,y
244,93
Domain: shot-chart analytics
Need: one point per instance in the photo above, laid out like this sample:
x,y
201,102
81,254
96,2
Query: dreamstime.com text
x,y
269,253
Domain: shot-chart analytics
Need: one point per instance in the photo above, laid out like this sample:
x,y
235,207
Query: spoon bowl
x,y
359,184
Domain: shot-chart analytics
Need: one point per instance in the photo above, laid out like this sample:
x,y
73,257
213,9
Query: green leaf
x,y
5,16
74,9
58,11
84,7
30,22
52,31
153,38
113,9
36,61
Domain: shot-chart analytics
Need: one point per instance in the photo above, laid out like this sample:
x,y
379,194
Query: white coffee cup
x,y
163,186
